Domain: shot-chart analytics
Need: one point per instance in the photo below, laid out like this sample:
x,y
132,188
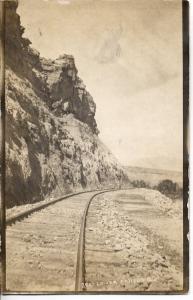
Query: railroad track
x,y
20,216
80,265
80,253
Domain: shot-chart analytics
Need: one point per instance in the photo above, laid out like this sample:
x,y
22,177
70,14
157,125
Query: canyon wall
x,y
52,142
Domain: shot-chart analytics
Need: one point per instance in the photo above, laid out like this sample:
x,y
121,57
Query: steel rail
x,y
80,263
18,217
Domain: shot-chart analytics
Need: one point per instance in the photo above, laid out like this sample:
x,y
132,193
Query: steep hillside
x,y
52,143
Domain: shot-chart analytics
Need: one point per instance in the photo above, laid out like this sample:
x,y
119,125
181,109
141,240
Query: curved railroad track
x,y
84,246
40,221
20,216
80,265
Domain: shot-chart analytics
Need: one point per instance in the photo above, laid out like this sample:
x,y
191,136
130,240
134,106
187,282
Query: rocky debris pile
x,y
52,144
122,257
173,208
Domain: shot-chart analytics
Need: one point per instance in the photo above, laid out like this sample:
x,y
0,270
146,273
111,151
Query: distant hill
x,y
153,176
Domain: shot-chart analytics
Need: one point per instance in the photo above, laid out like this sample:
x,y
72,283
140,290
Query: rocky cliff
x,y
52,143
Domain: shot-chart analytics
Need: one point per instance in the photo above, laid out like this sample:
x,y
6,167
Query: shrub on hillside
x,y
140,184
169,188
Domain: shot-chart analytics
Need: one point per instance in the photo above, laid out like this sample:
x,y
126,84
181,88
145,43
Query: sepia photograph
x,y
94,159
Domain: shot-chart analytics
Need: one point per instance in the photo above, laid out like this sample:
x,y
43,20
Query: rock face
x,y
52,143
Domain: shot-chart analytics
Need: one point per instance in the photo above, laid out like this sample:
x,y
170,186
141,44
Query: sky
x,y
129,55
